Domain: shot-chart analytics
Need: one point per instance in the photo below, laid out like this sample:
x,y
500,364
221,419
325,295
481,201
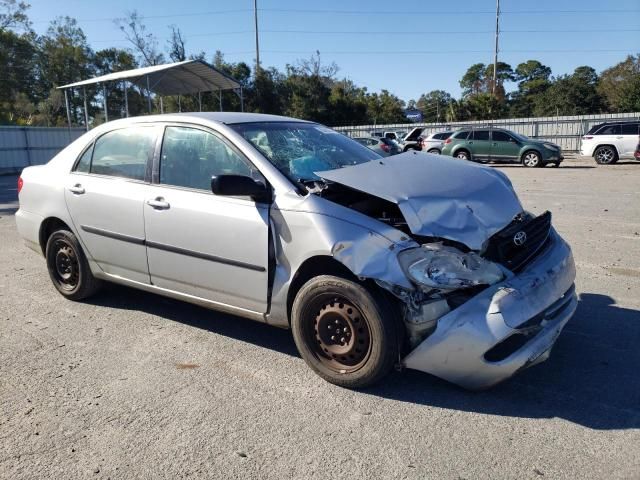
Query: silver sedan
x,y
372,262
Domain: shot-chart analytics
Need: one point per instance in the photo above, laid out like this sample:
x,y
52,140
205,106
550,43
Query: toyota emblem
x,y
520,238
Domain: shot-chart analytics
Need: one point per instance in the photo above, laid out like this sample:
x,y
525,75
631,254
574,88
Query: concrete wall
x,y
24,146
565,131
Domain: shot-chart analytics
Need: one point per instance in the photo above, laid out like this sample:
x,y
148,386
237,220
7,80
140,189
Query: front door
x,y
630,132
504,147
198,243
480,145
105,193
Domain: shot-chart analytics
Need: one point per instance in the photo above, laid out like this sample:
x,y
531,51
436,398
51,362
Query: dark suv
x,y
496,144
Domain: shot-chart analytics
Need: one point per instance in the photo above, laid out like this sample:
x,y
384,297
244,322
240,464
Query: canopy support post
x,y
66,104
220,98
126,99
86,110
104,96
241,100
179,103
161,105
148,95
199,100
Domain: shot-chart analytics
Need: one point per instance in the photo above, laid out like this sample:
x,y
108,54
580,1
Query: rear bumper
x,y
506,328
28,225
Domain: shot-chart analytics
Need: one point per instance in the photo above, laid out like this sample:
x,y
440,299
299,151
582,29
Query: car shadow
x,y
591,378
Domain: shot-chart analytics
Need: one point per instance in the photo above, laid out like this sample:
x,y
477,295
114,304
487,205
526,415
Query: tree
x,y
112,60
620,85
533,80
384,107
176,45
13,14
474,81
434,105
144,43
574,94
347,103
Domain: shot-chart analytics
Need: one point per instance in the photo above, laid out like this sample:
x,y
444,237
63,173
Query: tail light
x,y
20,183
448,140
385,147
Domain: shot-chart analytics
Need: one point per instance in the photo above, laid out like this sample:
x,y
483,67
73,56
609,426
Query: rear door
x,y
610,135
198,243
629,141
480,143
504,147
105,194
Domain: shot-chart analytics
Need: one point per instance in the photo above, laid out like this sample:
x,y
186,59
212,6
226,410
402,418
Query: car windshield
x,y
300,149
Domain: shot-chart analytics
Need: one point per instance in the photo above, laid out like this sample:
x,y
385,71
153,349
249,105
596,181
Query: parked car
x,y
411,141
382,146
610,141
434,143
496,144
431,265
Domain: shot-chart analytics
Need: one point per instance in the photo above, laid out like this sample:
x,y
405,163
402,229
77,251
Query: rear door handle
x,y
158,203
77,189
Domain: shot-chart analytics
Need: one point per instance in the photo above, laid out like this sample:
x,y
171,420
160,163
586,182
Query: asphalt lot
x,y
132,385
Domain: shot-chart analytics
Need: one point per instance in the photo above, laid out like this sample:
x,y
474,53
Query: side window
x,y
462,135
190,157
84,163
499,136
610,130
481,134
124,153
630,129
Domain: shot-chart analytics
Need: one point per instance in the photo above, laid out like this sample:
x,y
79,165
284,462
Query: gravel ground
x,y
132,385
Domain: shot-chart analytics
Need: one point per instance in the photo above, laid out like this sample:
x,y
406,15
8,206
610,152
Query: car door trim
x,y
114,235
204,256
170,248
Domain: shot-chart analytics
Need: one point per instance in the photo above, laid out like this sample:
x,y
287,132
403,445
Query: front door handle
x,y
158,203
77,189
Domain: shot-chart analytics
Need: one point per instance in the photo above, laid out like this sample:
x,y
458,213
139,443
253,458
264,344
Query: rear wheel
x,y
434,151
68,267
605,155
463,154
531,159
343,333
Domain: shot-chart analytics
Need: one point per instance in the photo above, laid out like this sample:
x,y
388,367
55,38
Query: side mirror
x,y
240,186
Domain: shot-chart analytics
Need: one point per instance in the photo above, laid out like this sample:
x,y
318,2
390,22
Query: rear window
x,y
481,134
594,129
386,141
446,135
124,153
630,129
461,135
610,130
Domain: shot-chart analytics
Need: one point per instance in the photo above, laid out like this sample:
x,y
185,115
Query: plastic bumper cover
x,y
541,295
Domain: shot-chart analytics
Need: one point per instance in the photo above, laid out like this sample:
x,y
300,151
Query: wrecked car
x,y
373,263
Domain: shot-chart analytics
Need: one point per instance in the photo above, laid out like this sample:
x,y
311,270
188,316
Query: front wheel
x,y
531,159
343,333
434,151
463,155
68,267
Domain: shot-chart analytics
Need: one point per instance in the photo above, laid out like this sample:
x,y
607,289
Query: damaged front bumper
x,y
507,327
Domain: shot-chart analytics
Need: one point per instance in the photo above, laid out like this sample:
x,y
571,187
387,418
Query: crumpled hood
x,y
438,196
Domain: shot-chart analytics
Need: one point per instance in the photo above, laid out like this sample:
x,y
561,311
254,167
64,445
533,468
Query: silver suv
x,y
407,261
608,142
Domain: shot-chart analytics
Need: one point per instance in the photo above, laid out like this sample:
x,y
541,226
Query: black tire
x,y
434,151
463,155
531,159
368,343
605,155
68,267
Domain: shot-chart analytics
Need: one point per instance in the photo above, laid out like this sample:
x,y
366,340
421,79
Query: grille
x,y
503,249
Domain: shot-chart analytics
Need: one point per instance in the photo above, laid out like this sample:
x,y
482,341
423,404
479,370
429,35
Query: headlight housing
x,y
438,266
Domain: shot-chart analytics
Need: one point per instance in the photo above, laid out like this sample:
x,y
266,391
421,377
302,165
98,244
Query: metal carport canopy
x,y
180,78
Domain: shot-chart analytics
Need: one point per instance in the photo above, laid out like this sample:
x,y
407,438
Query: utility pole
x,y
255,18
495,53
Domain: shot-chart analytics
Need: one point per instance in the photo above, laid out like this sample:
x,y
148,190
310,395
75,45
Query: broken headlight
x,y
441,267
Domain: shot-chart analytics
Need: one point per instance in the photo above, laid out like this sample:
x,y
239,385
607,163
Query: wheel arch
x,y
47,227
531,149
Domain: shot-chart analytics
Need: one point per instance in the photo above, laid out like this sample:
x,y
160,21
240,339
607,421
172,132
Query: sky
x,y
407,47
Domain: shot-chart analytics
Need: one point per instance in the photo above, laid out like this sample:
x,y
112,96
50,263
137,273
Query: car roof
x,y
204,117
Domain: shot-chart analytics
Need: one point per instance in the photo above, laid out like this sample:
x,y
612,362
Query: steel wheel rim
x,y
531,159
605,155
66,268
337,333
